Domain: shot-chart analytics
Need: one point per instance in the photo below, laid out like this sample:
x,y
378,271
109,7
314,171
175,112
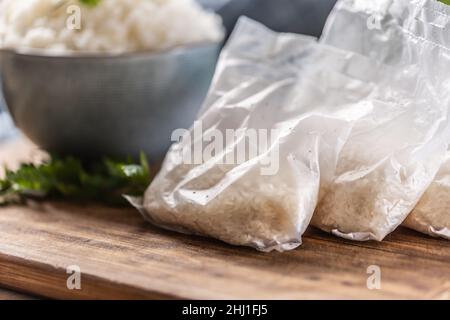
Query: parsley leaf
x,y
72,179
91,3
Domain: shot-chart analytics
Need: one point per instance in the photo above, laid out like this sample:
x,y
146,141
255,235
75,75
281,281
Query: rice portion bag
x,y
432,214
388,161
278,113
400,22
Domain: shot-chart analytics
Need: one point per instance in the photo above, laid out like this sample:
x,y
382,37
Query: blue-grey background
x,y
7,129
298,16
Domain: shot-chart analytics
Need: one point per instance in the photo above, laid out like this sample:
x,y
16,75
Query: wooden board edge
x,y
33,278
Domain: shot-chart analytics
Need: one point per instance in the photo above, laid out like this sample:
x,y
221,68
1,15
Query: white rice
x,y
110,26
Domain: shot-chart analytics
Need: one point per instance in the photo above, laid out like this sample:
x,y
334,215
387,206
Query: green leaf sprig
x,y
90,3
69,178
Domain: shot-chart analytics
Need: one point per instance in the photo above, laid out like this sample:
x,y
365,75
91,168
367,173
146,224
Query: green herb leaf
x,y
70,178
91,3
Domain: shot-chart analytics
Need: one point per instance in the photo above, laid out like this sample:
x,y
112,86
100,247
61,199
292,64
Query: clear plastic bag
x,y
263,82
435,12
431,215
384,170
382,29
313,97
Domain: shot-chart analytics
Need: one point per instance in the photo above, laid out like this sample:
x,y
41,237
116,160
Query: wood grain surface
x,y
122,256
6,294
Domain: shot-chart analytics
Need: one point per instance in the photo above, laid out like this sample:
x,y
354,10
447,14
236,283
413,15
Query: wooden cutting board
x,y
122,256
6,294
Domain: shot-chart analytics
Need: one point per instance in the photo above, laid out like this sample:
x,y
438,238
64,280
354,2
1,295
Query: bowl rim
x,y
177,50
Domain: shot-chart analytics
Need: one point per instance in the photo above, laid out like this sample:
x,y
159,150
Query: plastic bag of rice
x,y
279,112
432,214
396,163
112,26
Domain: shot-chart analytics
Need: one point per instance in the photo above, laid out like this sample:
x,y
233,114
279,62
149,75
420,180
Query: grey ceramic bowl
x,y
93,106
